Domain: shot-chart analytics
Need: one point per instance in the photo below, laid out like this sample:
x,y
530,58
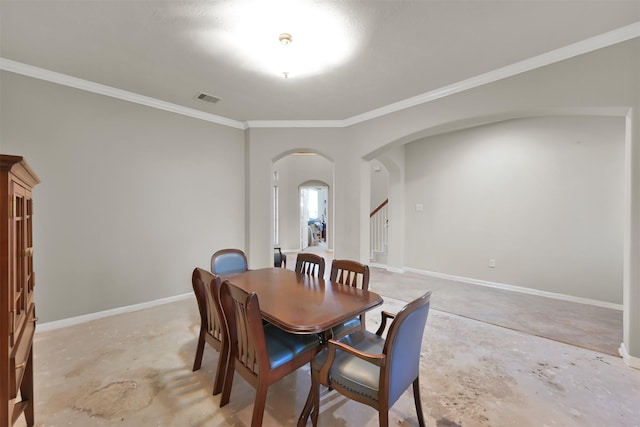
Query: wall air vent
x,y
207,98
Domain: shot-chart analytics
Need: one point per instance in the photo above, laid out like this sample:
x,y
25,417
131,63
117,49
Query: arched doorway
x,y
314,218
291,173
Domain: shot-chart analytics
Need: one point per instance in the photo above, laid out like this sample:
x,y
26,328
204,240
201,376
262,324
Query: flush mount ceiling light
x,y
259,35
285,38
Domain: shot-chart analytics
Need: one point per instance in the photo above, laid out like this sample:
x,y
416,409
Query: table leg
x,y
315,406
308,407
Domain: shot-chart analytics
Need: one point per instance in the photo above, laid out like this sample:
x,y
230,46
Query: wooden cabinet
x,y
17,281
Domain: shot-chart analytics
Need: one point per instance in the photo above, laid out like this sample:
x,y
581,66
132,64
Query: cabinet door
x,y
21,274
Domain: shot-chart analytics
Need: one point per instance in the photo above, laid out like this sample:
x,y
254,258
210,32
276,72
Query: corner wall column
x,y
630,348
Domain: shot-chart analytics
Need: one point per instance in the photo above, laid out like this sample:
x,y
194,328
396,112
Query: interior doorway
x,y
314,218
291,173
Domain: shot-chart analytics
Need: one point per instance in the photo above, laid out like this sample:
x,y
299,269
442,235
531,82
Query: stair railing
x,y
379,227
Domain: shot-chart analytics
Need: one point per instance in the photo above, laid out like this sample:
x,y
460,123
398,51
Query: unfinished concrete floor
x,y
134,369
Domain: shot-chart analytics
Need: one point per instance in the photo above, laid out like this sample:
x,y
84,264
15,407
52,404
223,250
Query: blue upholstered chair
x,y
308,263
370,369
206,287
349,273
262,354
228,261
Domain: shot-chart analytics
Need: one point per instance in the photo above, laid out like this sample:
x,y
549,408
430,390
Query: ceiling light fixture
x,y
259,35
285,38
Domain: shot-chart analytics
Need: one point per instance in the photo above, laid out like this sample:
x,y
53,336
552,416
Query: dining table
x,y
303,304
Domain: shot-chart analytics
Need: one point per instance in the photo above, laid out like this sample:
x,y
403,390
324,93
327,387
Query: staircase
x,y
379,233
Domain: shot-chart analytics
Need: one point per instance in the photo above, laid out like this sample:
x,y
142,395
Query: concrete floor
x,y
582,325
134,369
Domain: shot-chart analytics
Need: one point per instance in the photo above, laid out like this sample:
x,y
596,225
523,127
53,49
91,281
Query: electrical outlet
x,y
492,263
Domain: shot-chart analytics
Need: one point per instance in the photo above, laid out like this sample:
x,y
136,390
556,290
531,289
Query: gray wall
x,y
541,196
77,140
268,145
130,196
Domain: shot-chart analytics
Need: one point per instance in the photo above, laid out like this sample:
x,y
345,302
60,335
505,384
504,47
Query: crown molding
x,y
295,123
89,86
616,36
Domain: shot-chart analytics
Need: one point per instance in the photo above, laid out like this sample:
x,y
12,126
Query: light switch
x,y
418,207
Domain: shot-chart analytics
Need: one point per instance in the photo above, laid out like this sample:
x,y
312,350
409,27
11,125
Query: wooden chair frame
x,y
382,360
308,263
247,349
206,287
350,273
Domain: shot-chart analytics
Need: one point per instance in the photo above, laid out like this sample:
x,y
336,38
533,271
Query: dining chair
x,y
262,354
308,263
372,370
349,273
229,261
279,259
206,287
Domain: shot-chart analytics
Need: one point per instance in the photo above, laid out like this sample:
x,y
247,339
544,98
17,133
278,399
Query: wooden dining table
x,y
303,304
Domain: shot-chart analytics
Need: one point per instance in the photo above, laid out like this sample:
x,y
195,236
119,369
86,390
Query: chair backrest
x,y
206,286
402,347
350,273
245,329
279,259
228,261
308,263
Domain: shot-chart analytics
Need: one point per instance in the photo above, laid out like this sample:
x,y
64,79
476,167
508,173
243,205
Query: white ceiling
x,y
171,50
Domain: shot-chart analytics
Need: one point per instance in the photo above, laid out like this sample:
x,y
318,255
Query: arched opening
x,y
314,218
534,204
302,188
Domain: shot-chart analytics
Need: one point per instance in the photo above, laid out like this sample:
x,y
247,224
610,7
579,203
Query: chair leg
x,y
383,417
227,382
199,351
259,404
308,406
315,385
416,397
220,373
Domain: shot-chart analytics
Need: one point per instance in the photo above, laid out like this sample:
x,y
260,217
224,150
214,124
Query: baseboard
x,y
387,267
63,323
71,321
520,289
298,250
631,361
